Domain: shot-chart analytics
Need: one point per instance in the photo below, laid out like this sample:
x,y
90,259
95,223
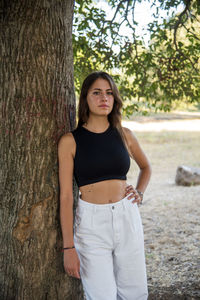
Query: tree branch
x,y
180,20
189,31
117,9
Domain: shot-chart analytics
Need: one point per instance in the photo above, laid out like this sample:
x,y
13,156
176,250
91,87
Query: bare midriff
x,y
103,192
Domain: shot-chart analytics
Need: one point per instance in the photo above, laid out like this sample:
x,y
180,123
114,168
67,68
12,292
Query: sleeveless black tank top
x,y
99,156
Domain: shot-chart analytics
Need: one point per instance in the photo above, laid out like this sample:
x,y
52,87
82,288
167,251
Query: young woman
x,y
106,246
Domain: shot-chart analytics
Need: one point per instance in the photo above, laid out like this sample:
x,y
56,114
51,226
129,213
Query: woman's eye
x,y
110,93
96,93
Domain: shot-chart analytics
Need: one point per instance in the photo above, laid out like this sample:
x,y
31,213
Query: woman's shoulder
x,y
129,134
127,131
66,140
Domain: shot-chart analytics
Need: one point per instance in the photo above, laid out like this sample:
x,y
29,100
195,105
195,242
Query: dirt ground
x,y
170,213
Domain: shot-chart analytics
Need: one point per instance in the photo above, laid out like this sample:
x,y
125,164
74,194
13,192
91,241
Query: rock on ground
x,y
187,176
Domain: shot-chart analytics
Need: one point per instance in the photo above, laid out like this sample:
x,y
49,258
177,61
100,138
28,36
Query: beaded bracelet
x,y
141,195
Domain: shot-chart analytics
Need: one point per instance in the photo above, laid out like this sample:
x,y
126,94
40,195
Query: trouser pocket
x,y
83,227
135,220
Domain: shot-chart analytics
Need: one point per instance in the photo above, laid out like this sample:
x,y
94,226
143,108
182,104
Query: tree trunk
x,y
37,107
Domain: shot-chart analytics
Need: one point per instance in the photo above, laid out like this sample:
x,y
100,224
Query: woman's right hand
x,y
72,263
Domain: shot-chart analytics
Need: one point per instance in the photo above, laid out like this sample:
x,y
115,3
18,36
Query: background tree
x,y
150,77
37,107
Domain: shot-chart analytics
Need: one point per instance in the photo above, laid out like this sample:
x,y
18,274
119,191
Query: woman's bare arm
x,y
142,161
66,150
65,156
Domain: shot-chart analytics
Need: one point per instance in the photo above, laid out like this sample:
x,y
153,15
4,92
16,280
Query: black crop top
x,y
99,156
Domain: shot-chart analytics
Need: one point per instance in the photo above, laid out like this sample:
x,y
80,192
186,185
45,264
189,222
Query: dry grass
x,y
171,215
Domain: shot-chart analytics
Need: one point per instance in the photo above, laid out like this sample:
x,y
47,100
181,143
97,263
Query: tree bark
x,y
37,107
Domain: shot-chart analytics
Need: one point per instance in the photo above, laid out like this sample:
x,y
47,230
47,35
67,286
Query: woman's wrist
x,y
67,248
141,194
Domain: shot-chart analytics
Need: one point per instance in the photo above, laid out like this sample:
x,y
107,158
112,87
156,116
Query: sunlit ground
x,y
166,125
170,213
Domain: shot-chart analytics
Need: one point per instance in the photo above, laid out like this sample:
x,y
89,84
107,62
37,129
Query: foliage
x,y
150,77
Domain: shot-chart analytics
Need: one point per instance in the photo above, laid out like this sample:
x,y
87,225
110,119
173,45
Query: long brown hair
x,y
115,116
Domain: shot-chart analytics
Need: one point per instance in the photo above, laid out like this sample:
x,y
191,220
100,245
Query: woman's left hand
x,y
133,194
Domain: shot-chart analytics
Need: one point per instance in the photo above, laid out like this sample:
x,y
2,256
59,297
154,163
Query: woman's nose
x,y
104,96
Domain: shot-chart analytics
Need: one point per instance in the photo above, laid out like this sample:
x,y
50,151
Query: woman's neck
x,y
97,124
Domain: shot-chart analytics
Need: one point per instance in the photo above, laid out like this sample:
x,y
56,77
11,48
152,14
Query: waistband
x,y
93,206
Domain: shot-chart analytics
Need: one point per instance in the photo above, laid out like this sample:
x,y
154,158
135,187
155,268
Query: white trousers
x,y
110,245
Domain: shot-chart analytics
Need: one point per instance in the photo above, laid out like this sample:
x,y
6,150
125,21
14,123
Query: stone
x,y
187,176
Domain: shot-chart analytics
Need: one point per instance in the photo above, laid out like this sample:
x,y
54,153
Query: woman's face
x,y
100,97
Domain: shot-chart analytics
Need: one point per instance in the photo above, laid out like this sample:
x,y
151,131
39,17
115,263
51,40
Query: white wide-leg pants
x,y
110,245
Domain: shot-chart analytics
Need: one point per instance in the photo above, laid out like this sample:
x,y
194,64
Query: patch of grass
x,y
176,114
164,137
149,255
